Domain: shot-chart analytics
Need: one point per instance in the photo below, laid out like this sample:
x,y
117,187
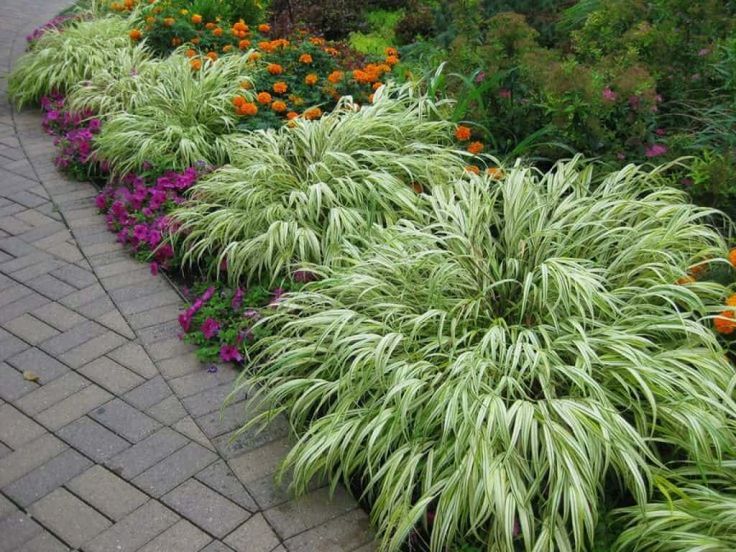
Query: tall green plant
x,y
64,57
489,375
295,195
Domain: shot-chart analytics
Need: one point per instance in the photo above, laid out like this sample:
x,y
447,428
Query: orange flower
x,y
732,257
195,40
472,169
417,187
275,69
305,58
238,101
291,115
370,98
169,21
392,60
244,44
278,106
240,26
248,109
264,98
227,47
494,172
475,147
246,85
150,19
332,51
196,64
731,300
280,87
685,280
254,56
190,53
311,79
725,323
317,41
135,35
176,41
264,28
391,52
212,55
196,19
217,31
209,26
335,77
463,133
377,85
313,113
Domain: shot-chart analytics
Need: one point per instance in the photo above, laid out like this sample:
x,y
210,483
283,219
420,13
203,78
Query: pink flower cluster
x,y
55,23
74,132
136,210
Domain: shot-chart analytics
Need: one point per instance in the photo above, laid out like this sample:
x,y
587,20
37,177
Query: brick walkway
x,y
120,445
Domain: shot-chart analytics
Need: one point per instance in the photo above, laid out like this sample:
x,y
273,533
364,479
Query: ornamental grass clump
x,y
493,376
63,57
296,195
180,119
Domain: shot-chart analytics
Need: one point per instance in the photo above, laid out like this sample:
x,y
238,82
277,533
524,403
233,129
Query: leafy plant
x,y
490,376
297,194
181,120
63,57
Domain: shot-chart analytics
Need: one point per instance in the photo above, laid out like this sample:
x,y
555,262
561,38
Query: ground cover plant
x,y
494,357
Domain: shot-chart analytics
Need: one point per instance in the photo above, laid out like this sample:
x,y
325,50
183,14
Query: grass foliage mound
x,y
297,194
181,119
491,374
64,57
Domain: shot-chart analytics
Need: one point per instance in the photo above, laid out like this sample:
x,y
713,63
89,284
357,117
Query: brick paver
x,y
112,436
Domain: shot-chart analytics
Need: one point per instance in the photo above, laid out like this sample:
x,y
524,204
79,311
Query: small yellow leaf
x,y
30,376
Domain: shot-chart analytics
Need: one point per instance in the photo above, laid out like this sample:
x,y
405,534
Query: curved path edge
x,y
111,432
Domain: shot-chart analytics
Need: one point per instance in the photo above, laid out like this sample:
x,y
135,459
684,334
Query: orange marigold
x,y
238,101
248,109
305,58
212,55
264,28
463,133
244,44
246,85
217,31
135,34
190,53
377,85
196,19
280,87
254,56
332,51
392,60
264,98
391,52
472,169
275,69
335,77
176,41
278,106
311,79
494,172
475,147
313,113
227,47
731,300
291,115
196,64
732,257
725,323
209,26
169,21
195,40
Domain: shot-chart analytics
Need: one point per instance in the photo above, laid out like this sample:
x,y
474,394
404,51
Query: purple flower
x,y
207,295
52,116
237,300
276,296
230,353
212,368
94,125
252,314
480,77
655,150
140,231
154,268
660,132
304,276
609,95
185,320
210,328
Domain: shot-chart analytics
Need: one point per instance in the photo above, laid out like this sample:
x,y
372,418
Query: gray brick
x,y
50,287
92,439
125,420
260,462
45,542
115,321
154,316
255,535
210,400
134,357
16,529
202,380
92,349
107,492
16,428
37,269
41,364
51,393
181,537
169,347
30,329
58,316
73,407
107,373
95,292
169,411
220,477
234,444
28,457
75,276
223,421
149,393
341,534
179,366
70,518
217,546
6,507
175,469
134,530
12,384
309,511
163,298
46,478
205,508
188,427
72,338
148,452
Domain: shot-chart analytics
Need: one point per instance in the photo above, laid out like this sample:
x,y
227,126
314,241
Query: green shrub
x,y
180,121
491,376
297,194
62,58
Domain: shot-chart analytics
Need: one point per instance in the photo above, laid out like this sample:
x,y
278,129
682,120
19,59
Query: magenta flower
x,y
504,93
207,295
237,300
140,231
210,328
276,297
230,353
252,314
304,276
609,95
154,268
185,320
655,150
